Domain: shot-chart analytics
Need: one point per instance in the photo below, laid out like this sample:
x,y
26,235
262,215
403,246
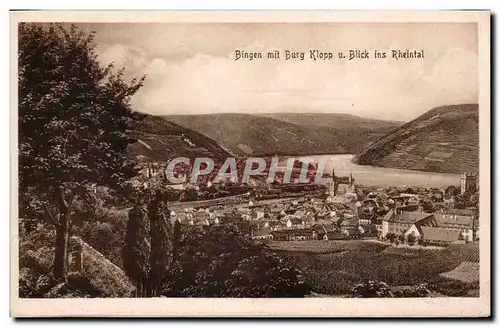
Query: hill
x,y
286,134
160,140
445,139
338,121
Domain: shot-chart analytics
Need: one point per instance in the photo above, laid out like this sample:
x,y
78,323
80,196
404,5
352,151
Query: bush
x,y
450,287
217,261
370,289
411,239
420,290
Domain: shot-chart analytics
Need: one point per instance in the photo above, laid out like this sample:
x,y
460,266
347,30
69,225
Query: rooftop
x,y
439,234
453,220
405,217
263,231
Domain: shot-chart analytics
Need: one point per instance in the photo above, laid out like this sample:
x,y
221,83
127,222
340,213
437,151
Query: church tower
x,y
331,188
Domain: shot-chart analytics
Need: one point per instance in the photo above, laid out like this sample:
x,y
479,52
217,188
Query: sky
x,y
191,68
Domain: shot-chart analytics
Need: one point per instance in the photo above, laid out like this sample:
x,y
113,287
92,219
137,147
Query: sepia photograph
x,y
323,159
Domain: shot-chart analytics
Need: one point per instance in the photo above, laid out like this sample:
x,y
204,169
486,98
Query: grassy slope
x,y
333,267
445,139
166,141
287,134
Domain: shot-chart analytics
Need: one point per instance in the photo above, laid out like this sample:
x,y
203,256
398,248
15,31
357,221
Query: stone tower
x,y
468,182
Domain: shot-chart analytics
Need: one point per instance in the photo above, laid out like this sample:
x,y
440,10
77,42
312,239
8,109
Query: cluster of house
x,y
341,214
432,228
288,220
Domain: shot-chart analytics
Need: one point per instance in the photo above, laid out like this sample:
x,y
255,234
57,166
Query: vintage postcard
x,y
256,164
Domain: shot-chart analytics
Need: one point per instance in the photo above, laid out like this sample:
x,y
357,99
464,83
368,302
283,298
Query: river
x,y
384,177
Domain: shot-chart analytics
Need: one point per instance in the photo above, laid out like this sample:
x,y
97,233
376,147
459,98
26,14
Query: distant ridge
x,y
444,139
161,140
287,134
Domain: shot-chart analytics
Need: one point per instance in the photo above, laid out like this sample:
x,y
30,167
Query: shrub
x,y
450,287
420,290
217,261
411,239
391,237
370,289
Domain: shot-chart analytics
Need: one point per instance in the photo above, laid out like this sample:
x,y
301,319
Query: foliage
x,y
391,237
36,261
73,122
216,261
466,200
148,249
450,287
371,289
452,191
137,248
190,194
33,284
35,264
411,239
420,290
330,246
428,206
172,194
161,240
106,238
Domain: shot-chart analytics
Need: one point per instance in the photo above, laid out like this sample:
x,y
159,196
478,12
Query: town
x,y
340,210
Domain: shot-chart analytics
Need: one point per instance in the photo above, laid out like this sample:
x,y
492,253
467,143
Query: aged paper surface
x,y
288,164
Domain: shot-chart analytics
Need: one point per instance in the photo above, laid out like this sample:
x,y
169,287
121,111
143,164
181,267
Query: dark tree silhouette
x,y
73,122
411,239
217,261
149,244
137,249
161,236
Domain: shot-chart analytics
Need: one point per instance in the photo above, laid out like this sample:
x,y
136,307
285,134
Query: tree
x,y
73,122
172,194
137,248
149,245
190,194
161,240
428,206
217,261
411,239
452,191
391,237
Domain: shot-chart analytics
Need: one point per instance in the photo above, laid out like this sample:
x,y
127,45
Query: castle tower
x,y
468,182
